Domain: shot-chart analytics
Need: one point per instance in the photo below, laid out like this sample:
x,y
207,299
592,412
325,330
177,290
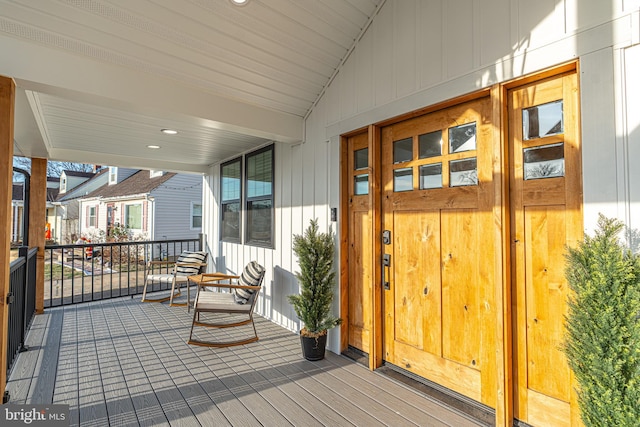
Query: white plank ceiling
x,y
98,79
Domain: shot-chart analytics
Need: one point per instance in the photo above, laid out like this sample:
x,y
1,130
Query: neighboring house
x,y
153,205
17,207
73,185
71,179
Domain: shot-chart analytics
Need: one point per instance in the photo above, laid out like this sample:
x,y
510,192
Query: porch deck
x,y
123,362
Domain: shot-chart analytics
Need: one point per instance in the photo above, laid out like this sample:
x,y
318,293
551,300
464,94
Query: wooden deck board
x,y
261,409
253,377
399,398
23,369
122,362
92,399
66,382
42,388
120,407
154,357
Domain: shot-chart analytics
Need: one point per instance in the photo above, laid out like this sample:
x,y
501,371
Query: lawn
x,y
58,270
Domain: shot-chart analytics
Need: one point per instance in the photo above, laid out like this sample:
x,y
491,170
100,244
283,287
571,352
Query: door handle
x,y
386,268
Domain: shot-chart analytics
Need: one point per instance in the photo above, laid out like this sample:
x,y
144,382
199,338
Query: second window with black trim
x,y
248,195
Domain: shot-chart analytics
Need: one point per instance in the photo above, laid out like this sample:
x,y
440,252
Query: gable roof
x,y
77,191
79,174
138,183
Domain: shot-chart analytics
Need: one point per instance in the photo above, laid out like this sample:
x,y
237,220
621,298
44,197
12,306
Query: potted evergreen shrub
x,y
315,252
602,341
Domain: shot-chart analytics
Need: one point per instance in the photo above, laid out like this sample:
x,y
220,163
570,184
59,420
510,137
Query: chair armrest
x,y
219,276
210,279
229,285
214,279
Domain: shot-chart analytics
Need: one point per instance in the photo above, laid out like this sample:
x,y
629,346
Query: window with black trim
x,y
259,197
246,188
231,193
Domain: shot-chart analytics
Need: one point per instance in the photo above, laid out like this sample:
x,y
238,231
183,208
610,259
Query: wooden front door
x,y
546,212
360,303
439,248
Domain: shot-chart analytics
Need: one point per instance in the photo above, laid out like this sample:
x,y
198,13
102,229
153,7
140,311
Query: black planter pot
x,y
312,347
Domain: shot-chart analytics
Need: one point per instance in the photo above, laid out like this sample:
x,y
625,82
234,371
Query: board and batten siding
x,y
171,208
418,53
628,141
299,197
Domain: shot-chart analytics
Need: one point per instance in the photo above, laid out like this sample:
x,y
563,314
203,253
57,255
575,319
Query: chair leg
x,y
221,344
144,294
163,299
255,332
173,294
195,313
144,290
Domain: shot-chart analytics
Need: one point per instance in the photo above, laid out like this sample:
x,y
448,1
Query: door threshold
x,y
456,401
357,355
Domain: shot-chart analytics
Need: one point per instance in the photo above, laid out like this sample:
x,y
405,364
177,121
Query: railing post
x,y
23,252
37,221
7,107
201,241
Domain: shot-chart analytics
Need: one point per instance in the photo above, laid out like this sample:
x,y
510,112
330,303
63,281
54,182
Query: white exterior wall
x,y
628,141
85,230
418,53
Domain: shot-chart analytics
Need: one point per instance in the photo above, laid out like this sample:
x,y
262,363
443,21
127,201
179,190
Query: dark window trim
x,y
239,201
271,197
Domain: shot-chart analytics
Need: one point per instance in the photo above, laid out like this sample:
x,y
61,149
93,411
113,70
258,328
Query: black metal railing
x,y
21,300
94,271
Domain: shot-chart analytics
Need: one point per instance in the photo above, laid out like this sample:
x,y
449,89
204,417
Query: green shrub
x,y
603,327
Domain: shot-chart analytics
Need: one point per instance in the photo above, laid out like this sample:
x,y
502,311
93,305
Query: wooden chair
x,y
240,300
189,263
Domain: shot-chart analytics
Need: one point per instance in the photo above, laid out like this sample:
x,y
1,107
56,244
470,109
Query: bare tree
x,y
53,168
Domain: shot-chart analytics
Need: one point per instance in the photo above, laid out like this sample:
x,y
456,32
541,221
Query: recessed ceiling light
x,y
153,146
169,131
239,2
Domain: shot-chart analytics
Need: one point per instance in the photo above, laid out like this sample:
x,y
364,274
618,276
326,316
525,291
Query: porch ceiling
x,y
97,80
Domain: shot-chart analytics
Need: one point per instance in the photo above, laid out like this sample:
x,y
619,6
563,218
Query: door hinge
x,y
10,298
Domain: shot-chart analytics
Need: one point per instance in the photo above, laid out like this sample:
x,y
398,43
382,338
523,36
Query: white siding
x,y
600,156
418,53
629,138
171,209
86,230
